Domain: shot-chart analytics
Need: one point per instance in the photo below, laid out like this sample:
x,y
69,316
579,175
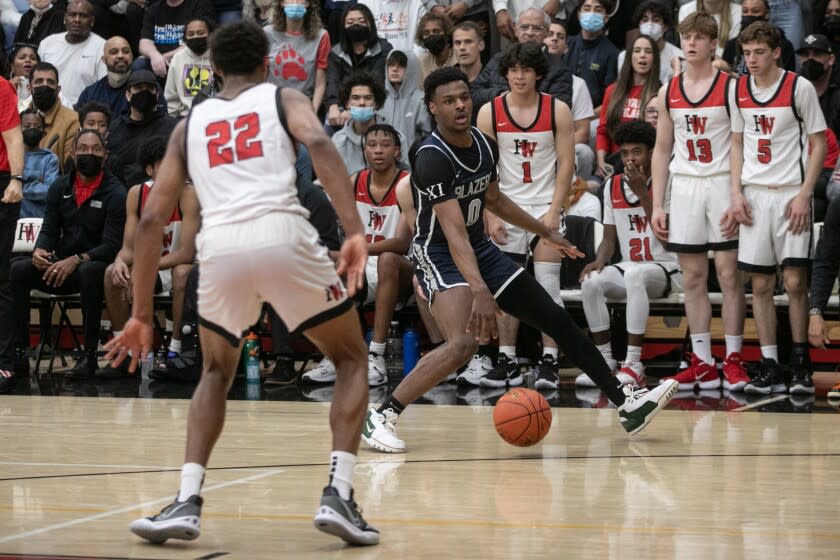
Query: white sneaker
x,y
632,374
379,431
324,372
479,366
642,405
584,380
377,374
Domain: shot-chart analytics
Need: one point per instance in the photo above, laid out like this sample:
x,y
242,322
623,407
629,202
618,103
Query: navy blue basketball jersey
x,y
443,172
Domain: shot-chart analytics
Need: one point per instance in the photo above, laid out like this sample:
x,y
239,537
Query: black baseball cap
x,y
141,77
815,41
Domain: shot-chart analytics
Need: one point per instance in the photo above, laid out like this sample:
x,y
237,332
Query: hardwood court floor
x,y
696,484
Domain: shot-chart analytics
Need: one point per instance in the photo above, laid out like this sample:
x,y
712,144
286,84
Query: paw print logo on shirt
x,y
288,65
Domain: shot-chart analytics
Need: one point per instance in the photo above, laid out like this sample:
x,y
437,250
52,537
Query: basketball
x,y
522,417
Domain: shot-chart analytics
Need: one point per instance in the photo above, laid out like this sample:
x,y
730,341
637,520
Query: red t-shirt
x,y
85,191
9,117
832,150
632,111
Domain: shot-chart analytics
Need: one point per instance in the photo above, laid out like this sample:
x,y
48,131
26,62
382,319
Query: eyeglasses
x,y
527,27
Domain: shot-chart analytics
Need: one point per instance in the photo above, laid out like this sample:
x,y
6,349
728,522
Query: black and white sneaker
x,y
548,375
343,518
801,379
505,374
769,379
178,520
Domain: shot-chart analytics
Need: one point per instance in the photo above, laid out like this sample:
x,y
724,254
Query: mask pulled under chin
x,y
117,79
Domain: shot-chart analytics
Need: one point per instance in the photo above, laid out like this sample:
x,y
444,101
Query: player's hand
x,y
817,332
636,180
120,274
56,274
563,245
729,226
798,213
456,11
482,323
555,220
594,266
659,222
504,23
41,259
740,210
136,337
352,261
496,229
13,192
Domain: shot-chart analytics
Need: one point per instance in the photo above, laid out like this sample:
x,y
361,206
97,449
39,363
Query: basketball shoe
x,y
584,380
834,392
479,366
178,520
801,378
548,376
698,374
324,372
769,379
343,518
735,376
377,374
380,431
641,405
505,374
632,374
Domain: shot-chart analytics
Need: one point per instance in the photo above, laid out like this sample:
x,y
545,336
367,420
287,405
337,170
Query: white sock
x,y
733,343
549,351
701,345
377,348
192,477
341,472
509,351
175,345
606,351
634,354
169,326
770,352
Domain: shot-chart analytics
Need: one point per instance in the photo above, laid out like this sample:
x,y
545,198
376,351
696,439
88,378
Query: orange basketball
x,y
522,417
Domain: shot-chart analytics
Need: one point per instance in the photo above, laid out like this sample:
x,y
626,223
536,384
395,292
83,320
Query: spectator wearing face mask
x,y
654,19
40,166
190,69
751,12
816,61
362,94
591,55
830,26
434,34
61,122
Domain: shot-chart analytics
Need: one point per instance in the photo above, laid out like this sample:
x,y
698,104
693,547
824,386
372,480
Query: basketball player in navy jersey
x,y
773,175
467,279
255,245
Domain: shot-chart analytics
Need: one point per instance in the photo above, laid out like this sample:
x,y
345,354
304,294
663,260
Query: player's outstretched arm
x,y
659,166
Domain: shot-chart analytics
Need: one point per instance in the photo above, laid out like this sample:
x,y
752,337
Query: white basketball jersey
x,y
379,218
527,157
775,140
636,239
241,158
702,129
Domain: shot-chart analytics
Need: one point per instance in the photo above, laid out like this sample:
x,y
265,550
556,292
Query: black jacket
x,y
340,67
490,83
830,104
95,228
50,23
596,62
126,135
826,261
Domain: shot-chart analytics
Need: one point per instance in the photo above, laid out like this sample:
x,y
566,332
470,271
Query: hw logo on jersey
x,y
524,147
695,124
764,124
334,292
376,220
638,223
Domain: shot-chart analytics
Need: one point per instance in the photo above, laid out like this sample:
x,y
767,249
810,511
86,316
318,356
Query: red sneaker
x,y
735,376
697,374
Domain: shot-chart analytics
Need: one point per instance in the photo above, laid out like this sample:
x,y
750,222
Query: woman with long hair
x,y
359,49
22,58
624,100
298,49
726,12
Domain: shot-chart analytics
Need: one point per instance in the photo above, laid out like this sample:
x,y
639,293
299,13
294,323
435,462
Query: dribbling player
x,y
256,245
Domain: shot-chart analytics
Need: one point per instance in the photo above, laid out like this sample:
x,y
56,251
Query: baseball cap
x,y
141,77
815,41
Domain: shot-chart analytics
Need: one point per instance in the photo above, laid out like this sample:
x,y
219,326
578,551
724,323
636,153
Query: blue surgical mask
x,y
295,11
592,22
362,114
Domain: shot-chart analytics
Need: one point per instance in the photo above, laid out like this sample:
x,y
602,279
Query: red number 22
x,y
247,127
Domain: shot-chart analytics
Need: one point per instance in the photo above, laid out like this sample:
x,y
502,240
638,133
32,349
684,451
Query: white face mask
x,y
651,29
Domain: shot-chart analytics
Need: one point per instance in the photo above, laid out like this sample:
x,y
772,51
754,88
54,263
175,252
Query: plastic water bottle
x,y
394,352
251,355
368,337
146,366
411,350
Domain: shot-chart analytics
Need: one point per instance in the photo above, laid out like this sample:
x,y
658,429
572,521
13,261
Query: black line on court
x,y
423,461
212,555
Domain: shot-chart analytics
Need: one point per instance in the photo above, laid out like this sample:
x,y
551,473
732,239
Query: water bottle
x,y
394,352
146,366
368,337
251,356
411,350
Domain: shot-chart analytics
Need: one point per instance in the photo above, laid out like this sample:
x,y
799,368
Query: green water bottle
x,y
251,356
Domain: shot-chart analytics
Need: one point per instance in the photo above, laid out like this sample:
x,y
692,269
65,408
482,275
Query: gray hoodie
x,y
349,145
404,108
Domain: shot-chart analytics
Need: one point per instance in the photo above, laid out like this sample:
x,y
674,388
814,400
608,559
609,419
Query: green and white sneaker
x,y
343,518
379,431
178,520
643,404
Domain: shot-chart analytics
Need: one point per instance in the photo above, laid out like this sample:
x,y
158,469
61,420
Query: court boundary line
x,y
125,509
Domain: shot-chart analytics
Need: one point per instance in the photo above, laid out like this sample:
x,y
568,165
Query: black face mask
x,y
435,43
198,45
32,137
43,97
812,70
832,24
746,21
357,33
144,101
89,165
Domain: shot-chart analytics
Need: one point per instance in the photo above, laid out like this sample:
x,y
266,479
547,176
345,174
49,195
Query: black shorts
x,y
436,269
